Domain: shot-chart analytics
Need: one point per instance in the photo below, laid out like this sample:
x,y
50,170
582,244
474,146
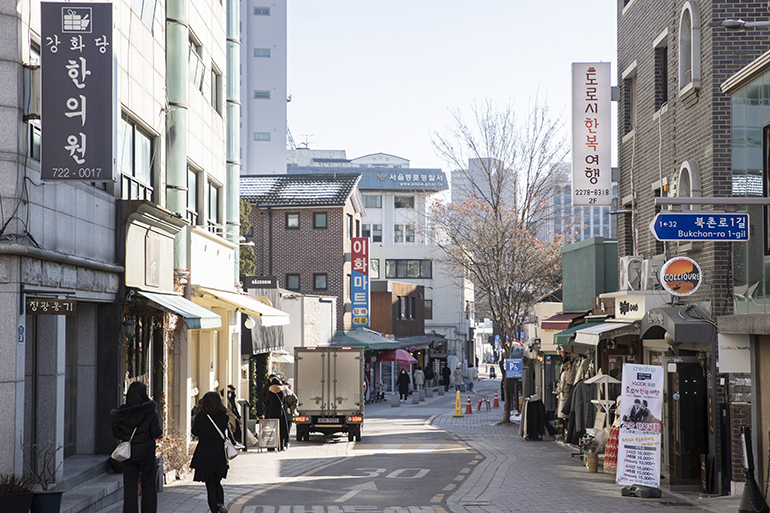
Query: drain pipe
x,y
233,94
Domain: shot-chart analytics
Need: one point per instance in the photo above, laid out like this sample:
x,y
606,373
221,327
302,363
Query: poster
x,y
641,411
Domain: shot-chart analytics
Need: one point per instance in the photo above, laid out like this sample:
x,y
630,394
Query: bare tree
x,y
504,172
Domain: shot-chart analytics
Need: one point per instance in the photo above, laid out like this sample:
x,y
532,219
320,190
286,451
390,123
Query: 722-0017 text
x,y
83,172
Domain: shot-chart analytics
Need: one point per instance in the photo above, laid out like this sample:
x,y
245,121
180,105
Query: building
x,y
301,227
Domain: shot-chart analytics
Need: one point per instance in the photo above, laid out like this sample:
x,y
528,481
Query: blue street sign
x,y
701,226
514,367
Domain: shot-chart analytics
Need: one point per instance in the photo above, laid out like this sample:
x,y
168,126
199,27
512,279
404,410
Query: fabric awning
x,y
568,336
684,323
591,335
560,321
371,340
195,316
246,304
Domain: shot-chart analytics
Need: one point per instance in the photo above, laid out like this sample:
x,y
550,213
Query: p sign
x,y
514,367
359,281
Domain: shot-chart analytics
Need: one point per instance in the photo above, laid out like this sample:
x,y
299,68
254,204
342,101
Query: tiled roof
x,y
298,190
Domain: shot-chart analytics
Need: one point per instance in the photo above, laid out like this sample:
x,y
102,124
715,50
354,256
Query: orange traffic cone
x,y
496,403
468,408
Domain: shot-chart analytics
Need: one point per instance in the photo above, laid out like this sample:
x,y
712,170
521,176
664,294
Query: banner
x,y
359,286
641,411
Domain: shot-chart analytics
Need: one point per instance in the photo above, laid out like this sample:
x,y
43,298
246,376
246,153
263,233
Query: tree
x,y
247,258
503,173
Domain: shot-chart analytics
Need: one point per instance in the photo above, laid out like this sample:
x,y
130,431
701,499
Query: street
x,y
419,458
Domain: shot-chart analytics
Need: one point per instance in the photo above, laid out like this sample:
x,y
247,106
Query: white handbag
x,y
123,451
230,450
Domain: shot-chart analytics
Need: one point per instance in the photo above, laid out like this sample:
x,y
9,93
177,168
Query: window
x,y
689,47
136,151
292,221
406,307
372,201
261,11
398,233
367,232
374,268
192,196
261,136
145,9
376,233
408,269
319,281
34,139
261,95
214,217
428,305
350,227
629,99
292,281
410,233
197,69
319,219
261,52
661,71
403,202
216,89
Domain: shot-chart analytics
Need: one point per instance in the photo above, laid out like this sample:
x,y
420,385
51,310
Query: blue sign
x,y
514,367
701,226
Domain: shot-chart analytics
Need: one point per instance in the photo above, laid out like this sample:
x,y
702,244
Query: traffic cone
x,y
496,403
468,408
458,406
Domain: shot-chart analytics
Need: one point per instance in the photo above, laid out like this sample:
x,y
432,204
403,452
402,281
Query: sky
x,y
370,76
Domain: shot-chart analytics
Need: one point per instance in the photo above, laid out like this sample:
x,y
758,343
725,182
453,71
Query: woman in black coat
x,y
209,460
139,413
275,408
403,385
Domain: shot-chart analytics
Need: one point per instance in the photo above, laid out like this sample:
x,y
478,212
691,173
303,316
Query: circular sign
x,y
681,276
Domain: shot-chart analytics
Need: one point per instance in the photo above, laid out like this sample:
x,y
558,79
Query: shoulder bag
x,y
230,450
123,451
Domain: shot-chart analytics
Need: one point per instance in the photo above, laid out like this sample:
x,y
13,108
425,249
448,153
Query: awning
x,y
560,321
684,323
591,335
568,336
195,316
420,341
371,340
246,304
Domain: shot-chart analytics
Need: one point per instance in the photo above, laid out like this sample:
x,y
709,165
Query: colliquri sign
x,y
681,276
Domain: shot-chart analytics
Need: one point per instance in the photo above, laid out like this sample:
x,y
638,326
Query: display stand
x,y
603,405
269,436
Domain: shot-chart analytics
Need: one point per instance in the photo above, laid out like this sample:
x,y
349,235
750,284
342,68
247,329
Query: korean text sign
x,y
76,93
359,287
639,439
591,134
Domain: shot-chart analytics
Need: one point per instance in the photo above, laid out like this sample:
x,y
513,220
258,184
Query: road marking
x,y
354,490
465,470
410,448
449,488
343,509
458,478
437,498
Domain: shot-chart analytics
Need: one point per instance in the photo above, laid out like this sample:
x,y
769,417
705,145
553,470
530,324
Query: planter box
x,y
16,502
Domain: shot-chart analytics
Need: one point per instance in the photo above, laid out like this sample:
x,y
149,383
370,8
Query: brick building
x,y
301,226
675,141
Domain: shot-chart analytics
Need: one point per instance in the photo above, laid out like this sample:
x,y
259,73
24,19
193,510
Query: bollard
x,y
394,401
468,408
441,390
421,394
415,398
458,406
428,392
496,403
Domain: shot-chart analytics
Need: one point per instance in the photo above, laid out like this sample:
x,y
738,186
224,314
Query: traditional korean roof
x,y
298,190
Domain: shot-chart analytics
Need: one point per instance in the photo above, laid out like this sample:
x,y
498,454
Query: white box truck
x,y
329,383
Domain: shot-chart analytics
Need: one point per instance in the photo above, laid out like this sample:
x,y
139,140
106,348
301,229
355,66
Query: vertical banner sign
x,y
76,95
359,287
591,135
641,411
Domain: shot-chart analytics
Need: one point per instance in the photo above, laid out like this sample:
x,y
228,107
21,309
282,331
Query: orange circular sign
x,y
681,276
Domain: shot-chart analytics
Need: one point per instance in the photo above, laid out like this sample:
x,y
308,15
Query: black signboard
x,y
76,93
50,306
259,282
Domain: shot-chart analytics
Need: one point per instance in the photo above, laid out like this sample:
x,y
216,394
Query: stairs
x,y
88,487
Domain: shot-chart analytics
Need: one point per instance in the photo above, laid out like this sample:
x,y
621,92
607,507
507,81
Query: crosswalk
x,y
443,448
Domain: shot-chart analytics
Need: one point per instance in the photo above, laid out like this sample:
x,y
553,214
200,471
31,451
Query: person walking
x,y
233,408
428,375
458,375
419,378
137,420
445,373
403,385
209,460
275,408
291,401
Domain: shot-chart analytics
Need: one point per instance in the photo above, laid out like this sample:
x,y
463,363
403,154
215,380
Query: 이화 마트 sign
x,y
681,276
359,290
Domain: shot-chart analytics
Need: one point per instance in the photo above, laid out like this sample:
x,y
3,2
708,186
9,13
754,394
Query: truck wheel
x,y
351,436
358,434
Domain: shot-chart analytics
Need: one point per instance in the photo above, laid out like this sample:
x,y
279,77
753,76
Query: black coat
x,y
403,382
143,417
275,407
210,452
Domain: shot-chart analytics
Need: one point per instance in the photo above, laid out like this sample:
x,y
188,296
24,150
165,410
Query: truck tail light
x,y
302,419
355,418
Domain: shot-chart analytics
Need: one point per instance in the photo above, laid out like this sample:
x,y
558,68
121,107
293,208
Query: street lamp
x,y
128,327
739,25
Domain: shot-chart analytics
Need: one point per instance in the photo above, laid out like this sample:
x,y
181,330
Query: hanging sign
x,y
681,276
641,411
359,290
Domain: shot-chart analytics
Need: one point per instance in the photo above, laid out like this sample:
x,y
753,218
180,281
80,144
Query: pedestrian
x,y
291,401
275,408
419,378
233,407
137,420
445,373
209,460
429,375
458,375
403,385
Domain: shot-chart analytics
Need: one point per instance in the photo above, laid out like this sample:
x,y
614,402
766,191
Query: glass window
x,y
215,221
367,230
350,226
192,196
319,281
261,95
34,139
261,11
374,268
403,202
135,159
261,52
410,233
261,136
216,89
689,46
319,219
661,77
145,9
372,201
292,281
408,269
428,305
292,221
398,233
376,233
197,69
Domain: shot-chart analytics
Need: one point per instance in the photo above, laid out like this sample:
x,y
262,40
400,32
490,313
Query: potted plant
x,y
15,493
45,500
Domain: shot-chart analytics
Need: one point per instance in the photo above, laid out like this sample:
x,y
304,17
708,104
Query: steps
x,y
88,487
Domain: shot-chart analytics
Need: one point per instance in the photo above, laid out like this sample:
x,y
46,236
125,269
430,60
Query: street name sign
x,y
701,226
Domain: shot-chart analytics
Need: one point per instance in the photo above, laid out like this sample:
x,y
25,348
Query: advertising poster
x,y
641,411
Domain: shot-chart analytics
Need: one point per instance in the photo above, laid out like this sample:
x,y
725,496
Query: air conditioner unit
x,y
630,273
650,270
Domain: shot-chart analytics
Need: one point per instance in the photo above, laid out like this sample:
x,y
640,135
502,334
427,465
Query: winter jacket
x,y
419,377
458,375
143,417
275,407
403,382
210,452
